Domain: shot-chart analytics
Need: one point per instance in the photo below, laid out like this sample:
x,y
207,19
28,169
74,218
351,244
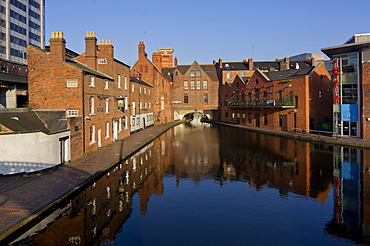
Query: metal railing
x,y
287,101
319,133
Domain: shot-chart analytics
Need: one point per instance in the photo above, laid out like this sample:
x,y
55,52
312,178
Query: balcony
x,y
285,102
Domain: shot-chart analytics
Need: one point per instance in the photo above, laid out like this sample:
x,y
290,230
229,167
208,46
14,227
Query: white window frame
x,y
92,105
119,81
106,84
107,106
107,130
125,83
92,134
92,81
102,61
72,113
72,83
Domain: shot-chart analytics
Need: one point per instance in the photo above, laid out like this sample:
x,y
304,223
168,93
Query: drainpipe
x,y
83,114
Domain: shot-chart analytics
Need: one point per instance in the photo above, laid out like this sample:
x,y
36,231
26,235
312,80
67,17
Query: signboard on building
x,y
336,82
349,112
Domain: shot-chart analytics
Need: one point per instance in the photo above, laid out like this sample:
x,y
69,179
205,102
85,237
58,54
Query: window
x,y
280,120
92,134
92,81
133,88
249,118
125,83
106,129
72,83
102,61
71,113
140,89
141,106
186,85
144,90
320,93
198,73
192,74
296,101
228,75
198,84
91,104
265,119
186,98
119,81
126,103
106,84
205,98
120,124
162,103
243,117
192,85
107,106
205,85
241,74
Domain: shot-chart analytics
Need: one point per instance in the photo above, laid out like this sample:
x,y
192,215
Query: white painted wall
x,y
137,121
29,152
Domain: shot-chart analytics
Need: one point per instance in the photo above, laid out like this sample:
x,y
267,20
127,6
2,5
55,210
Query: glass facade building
x,y
22,22
346,105
350,103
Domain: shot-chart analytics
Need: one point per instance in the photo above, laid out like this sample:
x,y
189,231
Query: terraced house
x,y
288,100
91,87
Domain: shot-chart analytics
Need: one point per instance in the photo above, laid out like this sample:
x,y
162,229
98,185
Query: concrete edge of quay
x,y
341,141
45,209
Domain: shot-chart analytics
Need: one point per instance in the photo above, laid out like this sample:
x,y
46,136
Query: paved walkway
x,y
24,197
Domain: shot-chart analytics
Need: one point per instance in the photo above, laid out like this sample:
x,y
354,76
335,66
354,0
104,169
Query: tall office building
x,y
22,22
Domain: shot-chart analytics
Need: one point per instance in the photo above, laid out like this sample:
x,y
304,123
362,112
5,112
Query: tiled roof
x,y
87,69
287,74
140,81
210,70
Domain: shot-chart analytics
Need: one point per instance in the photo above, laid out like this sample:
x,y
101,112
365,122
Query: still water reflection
x,y
200,184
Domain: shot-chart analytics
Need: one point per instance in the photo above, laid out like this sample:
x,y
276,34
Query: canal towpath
x,y
25,197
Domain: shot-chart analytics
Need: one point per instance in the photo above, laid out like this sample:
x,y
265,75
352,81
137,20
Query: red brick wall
x,y
365,101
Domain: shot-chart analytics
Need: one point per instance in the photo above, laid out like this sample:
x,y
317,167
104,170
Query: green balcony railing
x,y
285,102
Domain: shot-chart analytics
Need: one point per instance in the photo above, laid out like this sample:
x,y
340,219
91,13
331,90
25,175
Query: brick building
x,y
195,89
141,103
151,72
351,81
62,79
288,100
228,70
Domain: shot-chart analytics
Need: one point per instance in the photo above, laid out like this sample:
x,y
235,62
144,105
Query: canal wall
x,y
318,138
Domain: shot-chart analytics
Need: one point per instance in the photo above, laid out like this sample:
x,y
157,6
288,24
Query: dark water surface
x,y
200,184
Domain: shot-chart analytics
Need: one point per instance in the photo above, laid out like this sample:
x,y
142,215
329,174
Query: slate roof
x,y
210,70
287,74
87,69
140,81
262,65
22,120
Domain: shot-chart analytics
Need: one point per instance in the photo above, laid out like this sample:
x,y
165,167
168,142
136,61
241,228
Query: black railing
x,y
287,101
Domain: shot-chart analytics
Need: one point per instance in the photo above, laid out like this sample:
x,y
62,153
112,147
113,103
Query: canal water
x,y
202,184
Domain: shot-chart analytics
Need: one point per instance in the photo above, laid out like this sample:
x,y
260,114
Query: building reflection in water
x,y
225,155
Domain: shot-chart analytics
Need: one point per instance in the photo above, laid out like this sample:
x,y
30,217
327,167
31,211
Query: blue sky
x,y
204,30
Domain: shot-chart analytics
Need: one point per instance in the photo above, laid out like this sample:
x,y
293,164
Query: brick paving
x,y
25,197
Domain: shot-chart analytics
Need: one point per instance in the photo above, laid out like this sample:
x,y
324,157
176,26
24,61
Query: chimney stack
x,y
141,51
313,63
90,50
157,60
286,59
250,63
106,47
58,46
175,61
220,62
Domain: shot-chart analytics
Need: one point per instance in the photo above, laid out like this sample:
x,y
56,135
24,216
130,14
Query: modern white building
x,y
22,22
